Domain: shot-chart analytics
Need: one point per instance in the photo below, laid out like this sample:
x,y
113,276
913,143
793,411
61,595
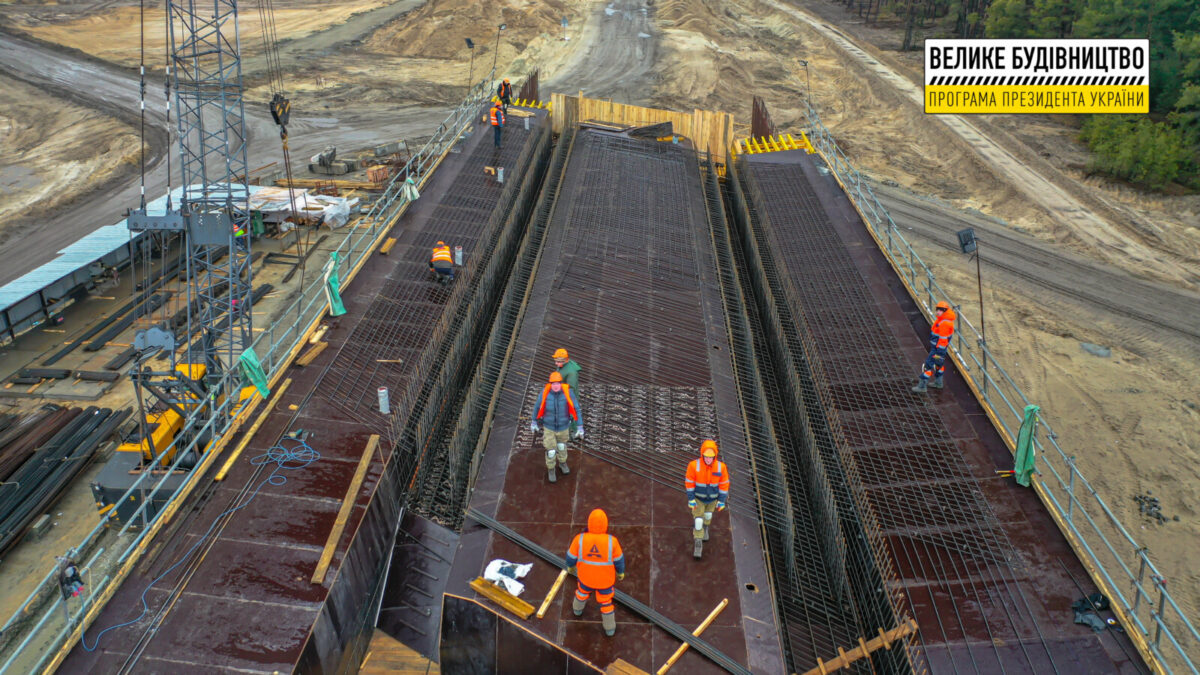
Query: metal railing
x,y
1119,565
56,620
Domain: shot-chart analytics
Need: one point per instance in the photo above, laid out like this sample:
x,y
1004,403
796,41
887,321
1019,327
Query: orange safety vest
x,y
596,554
942,329
707,482
497,122
505,89
441,254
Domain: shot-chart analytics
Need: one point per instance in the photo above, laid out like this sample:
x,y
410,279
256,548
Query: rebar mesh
x,y
898,458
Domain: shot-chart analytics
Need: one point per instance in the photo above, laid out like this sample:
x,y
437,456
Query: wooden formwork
x,y
707,130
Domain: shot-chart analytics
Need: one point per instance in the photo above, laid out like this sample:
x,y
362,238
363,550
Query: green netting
x,y
253,371
1023,463
332,293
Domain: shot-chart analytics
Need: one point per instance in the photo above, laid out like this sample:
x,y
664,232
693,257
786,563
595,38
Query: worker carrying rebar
x,y
939,349
504,93
441,263
497,118
707,486
556,410
596,559
570,374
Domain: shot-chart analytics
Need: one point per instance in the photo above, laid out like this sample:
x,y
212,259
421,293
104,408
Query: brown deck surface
x,y
978,557
626,283
249,606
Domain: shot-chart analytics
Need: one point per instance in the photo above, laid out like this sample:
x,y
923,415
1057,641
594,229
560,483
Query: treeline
x,y
1156,149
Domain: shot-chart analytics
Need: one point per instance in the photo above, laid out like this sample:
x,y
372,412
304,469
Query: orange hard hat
x,y
598,521
555,377
441,243
506,80
561,354
708,448
943,306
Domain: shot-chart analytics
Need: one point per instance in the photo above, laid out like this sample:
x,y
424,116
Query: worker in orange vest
x,y
939,349
570,372
442,263
707,485
504,93
595,557
557,412
497,118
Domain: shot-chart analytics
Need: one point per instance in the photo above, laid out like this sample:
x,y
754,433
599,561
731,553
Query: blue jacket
x,y
557,408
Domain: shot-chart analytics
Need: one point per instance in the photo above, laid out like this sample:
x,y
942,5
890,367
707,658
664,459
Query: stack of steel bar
x,y
625,282
245,596
40,463
894,456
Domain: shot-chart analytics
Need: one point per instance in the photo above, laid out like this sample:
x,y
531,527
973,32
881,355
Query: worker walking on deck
x,y
707,485
570,374
939,349
596,559
557,411
497,118
504,93
442,263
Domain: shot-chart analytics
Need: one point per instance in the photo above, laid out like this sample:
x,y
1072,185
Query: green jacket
x,y
570,374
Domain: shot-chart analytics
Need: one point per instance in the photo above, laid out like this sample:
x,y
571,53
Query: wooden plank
x,y
864,648
252,430
623,667
387,246
502,597
344,513
387,655
313,352
562,576
699,629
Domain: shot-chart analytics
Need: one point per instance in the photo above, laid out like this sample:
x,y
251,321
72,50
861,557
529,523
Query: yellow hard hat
x,y
708,448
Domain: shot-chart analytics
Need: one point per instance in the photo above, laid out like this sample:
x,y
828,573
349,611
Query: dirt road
x,y
1010,257
1091,228
616,56
115,91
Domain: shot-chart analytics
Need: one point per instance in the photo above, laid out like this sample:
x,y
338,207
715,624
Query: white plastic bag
x,y
505,574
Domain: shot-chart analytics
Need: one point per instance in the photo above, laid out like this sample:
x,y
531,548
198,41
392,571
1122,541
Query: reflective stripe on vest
x,y
442,254
588,562
495,122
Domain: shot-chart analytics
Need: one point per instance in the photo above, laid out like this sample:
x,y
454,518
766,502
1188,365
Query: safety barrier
x,y
770,143
525,103
1120,566
113,551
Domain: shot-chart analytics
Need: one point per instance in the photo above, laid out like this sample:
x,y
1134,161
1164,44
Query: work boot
x,y
609,621
697,548
564,468
577,606
937,382
553,477
705,533
920,388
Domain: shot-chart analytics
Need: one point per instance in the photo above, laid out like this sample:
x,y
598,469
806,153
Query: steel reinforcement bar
x,y
848,525
814,622
1119,565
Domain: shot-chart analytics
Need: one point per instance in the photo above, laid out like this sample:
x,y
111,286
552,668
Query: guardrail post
x,y
1161,585
929,287
1137,585
1071,489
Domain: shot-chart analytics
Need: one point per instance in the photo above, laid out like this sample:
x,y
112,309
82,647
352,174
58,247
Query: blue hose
x,y
298,456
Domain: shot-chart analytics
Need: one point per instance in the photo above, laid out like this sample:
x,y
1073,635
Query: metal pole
x,y
496,51
982,324
471,73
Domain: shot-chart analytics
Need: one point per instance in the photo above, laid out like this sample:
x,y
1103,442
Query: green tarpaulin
x,y
253,371
332,292
1023,463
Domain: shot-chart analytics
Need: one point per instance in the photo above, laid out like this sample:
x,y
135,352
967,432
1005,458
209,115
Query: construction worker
x,y
939,348
570,373
556,411
504,93
442,263
497,117
595,558
707,485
